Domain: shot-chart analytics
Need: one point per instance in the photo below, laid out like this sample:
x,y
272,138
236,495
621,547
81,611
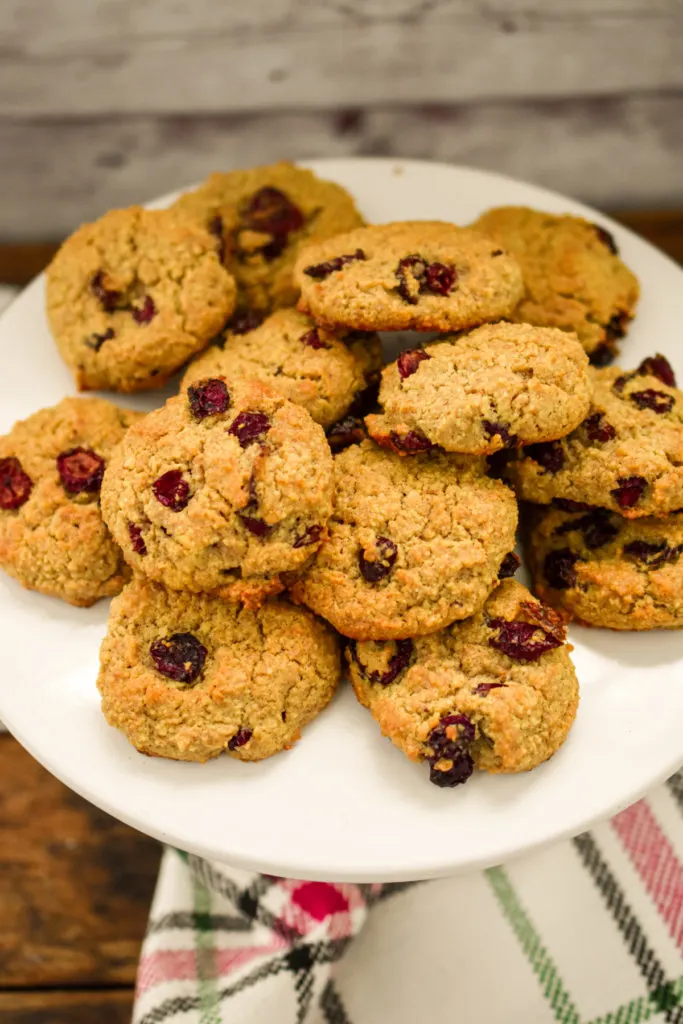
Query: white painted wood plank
x,y
74,57
614,153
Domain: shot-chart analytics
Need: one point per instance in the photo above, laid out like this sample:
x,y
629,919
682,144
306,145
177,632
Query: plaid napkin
x,y
583,932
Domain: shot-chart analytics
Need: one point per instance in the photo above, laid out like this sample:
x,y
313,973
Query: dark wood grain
x,y
75,884
19,263
97,1007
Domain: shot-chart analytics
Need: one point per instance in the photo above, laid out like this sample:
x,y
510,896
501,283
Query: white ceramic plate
x,y
345,804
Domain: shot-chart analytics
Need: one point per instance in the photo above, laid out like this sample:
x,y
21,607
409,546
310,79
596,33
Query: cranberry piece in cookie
x,y
208,398
107,298
657,401
509,566
240,738
179,656
523,641
146,312
15,484
249,427
80,470
558,568
172,490
629,490
374,570
409,361
450,742
320,271
136,539
658,366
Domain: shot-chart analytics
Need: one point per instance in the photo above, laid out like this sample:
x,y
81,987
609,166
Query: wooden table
x,y
75,885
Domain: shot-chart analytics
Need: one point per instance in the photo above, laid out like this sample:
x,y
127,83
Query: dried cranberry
x,y
596,527
558,568
179,656
567,505
598,429
607,238
657,401
271,212
248,427
310,536
348,431
437,278
630,490
652,554
80,470
136,539
208,398
658,366
450,741
171,490
522,641
410,443
379,568
547,454
255,526
616,326
242,323
485,687
621,382
509,566
602,355
398,663
240,738
216,229
312,339
499,430
15,485
320,271
146,312
96,341
409,361
108,299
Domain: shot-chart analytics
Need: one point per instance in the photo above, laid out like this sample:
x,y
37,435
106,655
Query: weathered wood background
x,y
104,103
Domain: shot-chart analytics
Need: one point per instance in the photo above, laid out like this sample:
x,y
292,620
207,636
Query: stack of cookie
x,y
240,532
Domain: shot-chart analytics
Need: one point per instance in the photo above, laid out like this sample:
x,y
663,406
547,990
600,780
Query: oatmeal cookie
x,y
189,677
500,386
52,537
604,570
410,275
261,218
221,489
324,371
573,276
413,544
496,692
132,296
627,455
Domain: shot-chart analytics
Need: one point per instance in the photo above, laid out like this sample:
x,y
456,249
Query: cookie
x,y
220,490
189,677
261,218
573,276
52,537
323,371
627,455
496,692
411,275
604,570
132,296
500,386
412,544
